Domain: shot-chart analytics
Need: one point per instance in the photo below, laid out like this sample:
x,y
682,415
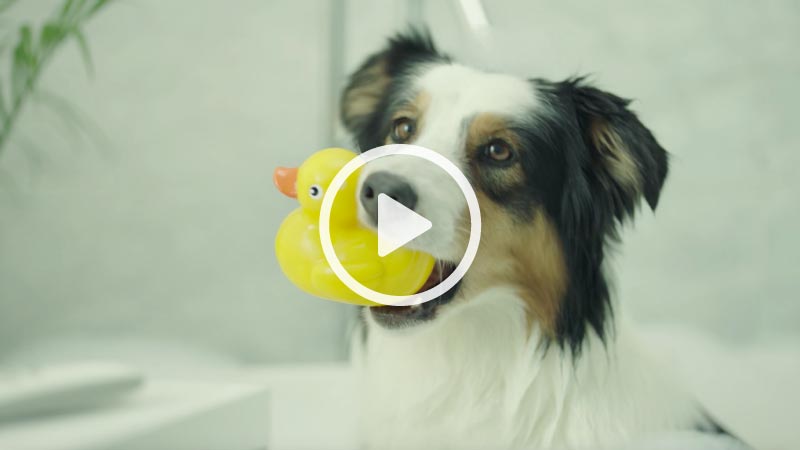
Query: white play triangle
x,y
397,225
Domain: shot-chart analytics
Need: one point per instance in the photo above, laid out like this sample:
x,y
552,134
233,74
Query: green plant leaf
x,y
51,35
85,53
31,54
76,12
24,64
67,8
98,5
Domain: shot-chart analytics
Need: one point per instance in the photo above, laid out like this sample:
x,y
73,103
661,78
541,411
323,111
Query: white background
x,y
157,222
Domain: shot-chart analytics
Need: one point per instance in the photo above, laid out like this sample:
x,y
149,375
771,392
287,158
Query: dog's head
x,y
556,166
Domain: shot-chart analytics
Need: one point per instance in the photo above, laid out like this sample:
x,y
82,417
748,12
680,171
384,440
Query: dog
x,y
528,350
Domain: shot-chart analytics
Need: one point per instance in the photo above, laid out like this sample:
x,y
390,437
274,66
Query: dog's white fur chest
x,y
479,377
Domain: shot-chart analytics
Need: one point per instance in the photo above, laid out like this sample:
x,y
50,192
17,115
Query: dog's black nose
x,y
386,183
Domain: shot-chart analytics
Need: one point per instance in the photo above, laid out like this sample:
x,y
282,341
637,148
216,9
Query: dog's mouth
x,y
405,316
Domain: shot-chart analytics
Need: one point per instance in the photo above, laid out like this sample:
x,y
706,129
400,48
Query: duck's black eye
x,y
498,150
403,130
315,191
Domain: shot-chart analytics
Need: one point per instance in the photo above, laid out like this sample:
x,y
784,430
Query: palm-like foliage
x,y
34,49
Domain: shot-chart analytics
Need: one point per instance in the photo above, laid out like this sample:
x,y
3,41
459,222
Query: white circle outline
x,y
474,216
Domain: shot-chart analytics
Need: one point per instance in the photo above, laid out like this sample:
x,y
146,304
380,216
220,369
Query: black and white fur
x,y
503,361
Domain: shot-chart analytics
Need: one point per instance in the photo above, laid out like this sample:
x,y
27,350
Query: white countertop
x,y
753,389
275,408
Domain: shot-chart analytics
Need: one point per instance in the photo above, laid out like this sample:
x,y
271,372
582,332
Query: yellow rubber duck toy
x,y
298,248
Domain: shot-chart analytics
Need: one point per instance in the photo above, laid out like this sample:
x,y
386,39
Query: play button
x,y
397,225
406,225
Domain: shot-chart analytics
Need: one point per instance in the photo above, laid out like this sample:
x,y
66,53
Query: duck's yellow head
x,y
309,183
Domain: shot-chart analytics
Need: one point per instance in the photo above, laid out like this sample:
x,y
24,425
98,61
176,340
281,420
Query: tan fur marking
x,y
616,157
362,99
527,256
485,127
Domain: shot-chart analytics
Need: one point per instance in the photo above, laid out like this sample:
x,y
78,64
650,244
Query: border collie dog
x,y
525,352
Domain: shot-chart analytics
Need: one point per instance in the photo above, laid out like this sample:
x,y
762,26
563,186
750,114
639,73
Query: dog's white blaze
x,y
457,94
476,378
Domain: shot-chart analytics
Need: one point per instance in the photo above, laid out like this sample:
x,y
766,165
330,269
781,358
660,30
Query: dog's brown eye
x,y
499,150
403,129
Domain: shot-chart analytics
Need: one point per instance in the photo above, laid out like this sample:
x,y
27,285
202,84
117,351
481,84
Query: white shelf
x,y
165,414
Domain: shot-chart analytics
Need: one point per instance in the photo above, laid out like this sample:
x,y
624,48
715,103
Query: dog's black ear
x,y
367,88
612,161
626,160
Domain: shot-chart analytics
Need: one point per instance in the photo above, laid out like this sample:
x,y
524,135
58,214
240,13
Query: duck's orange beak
x,y
285,179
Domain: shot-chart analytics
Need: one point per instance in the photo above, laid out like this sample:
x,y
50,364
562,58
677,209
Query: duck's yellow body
x,y
298,247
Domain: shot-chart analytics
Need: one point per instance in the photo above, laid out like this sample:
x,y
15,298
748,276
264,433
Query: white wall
x,y
164,227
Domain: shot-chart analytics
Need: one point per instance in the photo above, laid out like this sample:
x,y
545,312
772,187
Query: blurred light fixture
x,y
475,14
